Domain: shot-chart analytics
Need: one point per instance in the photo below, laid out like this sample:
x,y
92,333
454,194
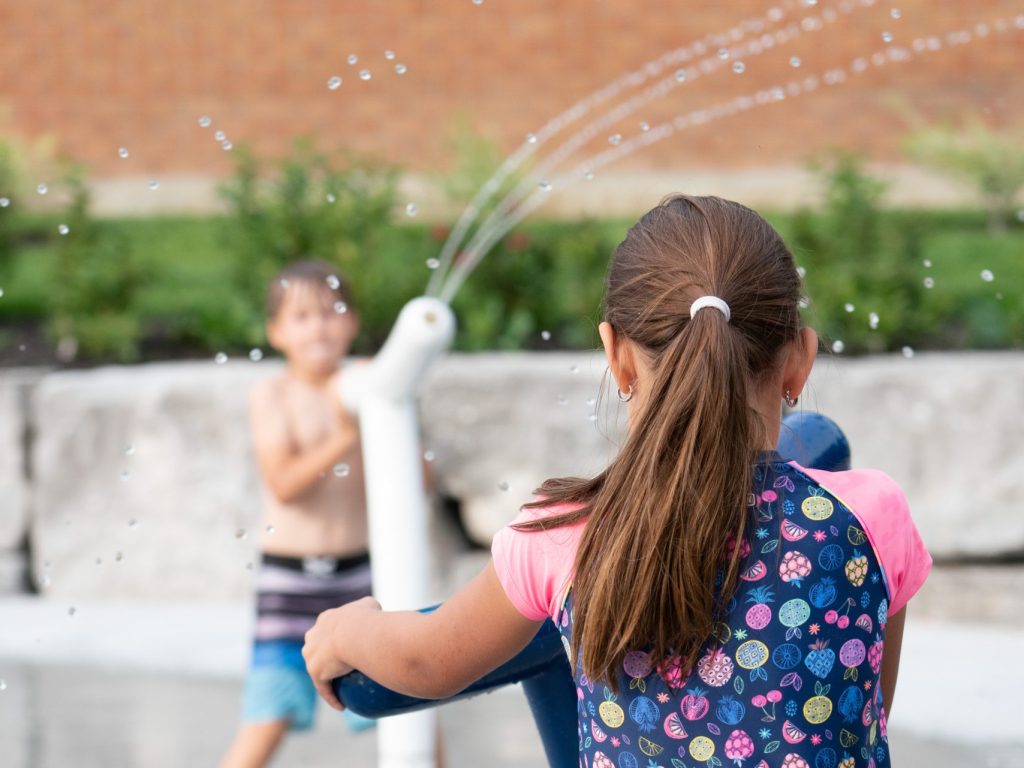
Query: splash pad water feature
x,y
395,497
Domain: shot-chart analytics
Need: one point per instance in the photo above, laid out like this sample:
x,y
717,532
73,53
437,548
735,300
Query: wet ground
x,y
157,686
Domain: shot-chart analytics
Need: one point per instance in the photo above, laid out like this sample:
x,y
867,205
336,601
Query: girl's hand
x,y
325,645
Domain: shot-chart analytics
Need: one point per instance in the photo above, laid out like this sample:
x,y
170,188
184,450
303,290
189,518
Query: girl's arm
x,y
891,657
427,655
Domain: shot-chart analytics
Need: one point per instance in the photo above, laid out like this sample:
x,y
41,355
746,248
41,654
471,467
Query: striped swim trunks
x,y
290,593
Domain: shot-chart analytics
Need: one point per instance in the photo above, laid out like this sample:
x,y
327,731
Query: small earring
x,y
625,398
790,400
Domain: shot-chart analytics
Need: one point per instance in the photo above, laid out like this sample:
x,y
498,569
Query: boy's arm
x,y
287,472
428,655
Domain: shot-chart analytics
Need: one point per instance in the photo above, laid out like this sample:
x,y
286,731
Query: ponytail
x,y
660,555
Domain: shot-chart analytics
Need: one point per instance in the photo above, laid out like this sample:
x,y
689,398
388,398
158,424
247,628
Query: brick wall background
x,y
96,75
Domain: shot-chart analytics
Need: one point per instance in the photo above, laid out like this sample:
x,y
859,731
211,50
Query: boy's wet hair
x,y
312,272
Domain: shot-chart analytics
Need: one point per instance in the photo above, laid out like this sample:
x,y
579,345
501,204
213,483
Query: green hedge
x,y
141,289
165,288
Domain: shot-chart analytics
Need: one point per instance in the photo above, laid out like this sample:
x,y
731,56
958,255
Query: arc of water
x,y
830,77
706,66
632,79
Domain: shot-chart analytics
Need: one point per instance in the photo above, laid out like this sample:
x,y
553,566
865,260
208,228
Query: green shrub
x,y
990,160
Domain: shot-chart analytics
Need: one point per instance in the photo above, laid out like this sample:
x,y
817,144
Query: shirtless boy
x,y
314,540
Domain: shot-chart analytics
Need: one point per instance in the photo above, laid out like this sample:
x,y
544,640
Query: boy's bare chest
x,y
310,416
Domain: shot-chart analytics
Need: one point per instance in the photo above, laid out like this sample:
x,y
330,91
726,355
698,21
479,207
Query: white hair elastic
x,y
710,301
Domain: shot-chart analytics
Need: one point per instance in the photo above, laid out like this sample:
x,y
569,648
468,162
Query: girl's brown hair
x,y
662,513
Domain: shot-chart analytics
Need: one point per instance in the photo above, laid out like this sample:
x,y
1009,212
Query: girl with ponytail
x,y
716,601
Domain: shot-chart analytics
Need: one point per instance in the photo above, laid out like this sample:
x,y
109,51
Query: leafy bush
x,y
157,288
992,161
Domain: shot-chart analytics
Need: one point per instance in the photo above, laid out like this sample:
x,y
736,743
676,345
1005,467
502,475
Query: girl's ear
x,y
799,362
619,354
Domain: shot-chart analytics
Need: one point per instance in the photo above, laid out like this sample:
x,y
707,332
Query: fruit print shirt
x,y
796,682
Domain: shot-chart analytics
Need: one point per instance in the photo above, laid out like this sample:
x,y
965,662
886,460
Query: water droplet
x,y
531,138
723,53
739,67
255,354
802,272
122,152
220,358
588,175
1020,212
125,475
680,75
99,561
1,293
873,320
340,307
411,209
249,566
592,417
546,335
563,400
154,185
3,684
72,611
341,470
591,401
389,55
364,74
219,136
428,456
132,522
574,369
205,121
240,534
401,69
645,127
226,145
908,352
333,282
433,263
927,263
4,202
544,186
42,189
352,59
896,13
63,229
614,139
887,37
987,276
330,197
478,2
129,450
804,302
929,282
270,529
502,486
334,83
118,557
838,346
794,61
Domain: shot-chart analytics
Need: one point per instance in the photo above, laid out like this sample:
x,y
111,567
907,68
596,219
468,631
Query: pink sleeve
x,y
535,567
881,507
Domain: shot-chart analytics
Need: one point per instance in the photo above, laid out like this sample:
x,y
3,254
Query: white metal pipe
x,y
382,393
